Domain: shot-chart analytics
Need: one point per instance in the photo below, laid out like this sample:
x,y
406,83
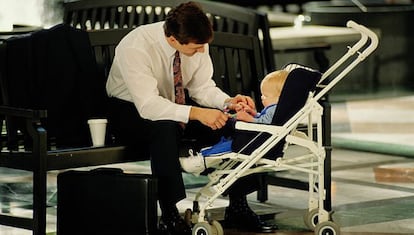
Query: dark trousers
x,y
160,141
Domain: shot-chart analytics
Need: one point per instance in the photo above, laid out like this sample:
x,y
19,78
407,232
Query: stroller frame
x,y
235,165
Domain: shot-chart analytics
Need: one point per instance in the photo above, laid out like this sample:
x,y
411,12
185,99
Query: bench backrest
x,y
103,14
109,14
238,68
103,43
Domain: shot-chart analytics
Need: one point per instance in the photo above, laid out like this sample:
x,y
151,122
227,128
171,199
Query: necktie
x,y
178,80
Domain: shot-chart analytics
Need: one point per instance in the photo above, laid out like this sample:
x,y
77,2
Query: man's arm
x,y
213,118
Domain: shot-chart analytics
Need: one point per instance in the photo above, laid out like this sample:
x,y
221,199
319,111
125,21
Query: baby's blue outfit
x,y
266,115
224,145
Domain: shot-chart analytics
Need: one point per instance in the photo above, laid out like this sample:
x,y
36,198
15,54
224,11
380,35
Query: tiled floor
x,y
362,205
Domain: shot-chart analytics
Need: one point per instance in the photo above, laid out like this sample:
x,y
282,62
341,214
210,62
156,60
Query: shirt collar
x,y
167,48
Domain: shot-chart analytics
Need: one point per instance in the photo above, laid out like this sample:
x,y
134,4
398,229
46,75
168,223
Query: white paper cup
x,y
97,128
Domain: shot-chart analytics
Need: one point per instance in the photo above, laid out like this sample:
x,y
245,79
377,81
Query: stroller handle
x,y
364,31
368,48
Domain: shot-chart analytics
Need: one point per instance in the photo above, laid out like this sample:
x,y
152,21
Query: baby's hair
x,y
276,79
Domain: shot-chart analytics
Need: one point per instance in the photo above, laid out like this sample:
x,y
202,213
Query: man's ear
x,y
171,39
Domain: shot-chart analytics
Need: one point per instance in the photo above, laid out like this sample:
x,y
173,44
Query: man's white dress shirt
x,y
142,73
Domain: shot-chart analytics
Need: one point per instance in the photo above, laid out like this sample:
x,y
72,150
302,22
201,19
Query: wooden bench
x,y
238,64
104,14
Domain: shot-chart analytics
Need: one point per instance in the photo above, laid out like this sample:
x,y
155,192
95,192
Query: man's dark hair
x,y
188,23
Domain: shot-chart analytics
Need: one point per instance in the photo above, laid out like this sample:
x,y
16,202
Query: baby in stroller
x,y
270,87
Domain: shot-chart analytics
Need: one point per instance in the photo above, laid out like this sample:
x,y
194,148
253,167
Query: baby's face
x,y
270,95
268,98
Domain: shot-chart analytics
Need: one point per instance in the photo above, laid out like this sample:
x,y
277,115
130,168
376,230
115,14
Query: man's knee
x,y
165,127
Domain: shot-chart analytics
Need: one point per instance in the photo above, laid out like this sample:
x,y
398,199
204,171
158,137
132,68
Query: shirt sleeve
x,y
202,88
136,70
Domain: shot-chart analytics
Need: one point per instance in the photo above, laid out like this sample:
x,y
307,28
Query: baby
x,y
270,88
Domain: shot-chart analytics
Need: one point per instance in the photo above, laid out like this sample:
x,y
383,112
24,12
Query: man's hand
x,y
213,118
238,102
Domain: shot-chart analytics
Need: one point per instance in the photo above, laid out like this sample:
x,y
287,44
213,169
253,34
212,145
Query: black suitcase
x,y
106,201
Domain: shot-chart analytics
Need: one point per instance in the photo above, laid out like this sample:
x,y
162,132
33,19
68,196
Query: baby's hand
x,y
246,108
244,116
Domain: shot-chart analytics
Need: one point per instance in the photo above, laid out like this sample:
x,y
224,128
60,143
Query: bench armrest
x,y
21,112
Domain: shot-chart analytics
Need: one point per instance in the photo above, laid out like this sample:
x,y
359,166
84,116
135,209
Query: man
x,y
151,67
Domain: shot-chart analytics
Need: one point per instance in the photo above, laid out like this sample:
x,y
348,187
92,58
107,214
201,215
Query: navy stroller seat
x,y
300,81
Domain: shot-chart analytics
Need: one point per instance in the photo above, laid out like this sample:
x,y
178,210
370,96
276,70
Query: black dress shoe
x,y
246,220
175,226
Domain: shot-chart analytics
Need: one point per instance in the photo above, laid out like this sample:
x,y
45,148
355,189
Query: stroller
x,y
259,148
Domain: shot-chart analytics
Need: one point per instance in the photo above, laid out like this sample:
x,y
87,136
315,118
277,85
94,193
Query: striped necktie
x,y
178,80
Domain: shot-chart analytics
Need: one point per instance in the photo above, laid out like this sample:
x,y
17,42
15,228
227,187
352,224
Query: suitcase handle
x,y
107,171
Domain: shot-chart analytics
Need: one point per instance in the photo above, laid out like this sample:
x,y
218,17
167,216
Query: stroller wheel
x,y
327,228
217,228
202,228
311,219
205,228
